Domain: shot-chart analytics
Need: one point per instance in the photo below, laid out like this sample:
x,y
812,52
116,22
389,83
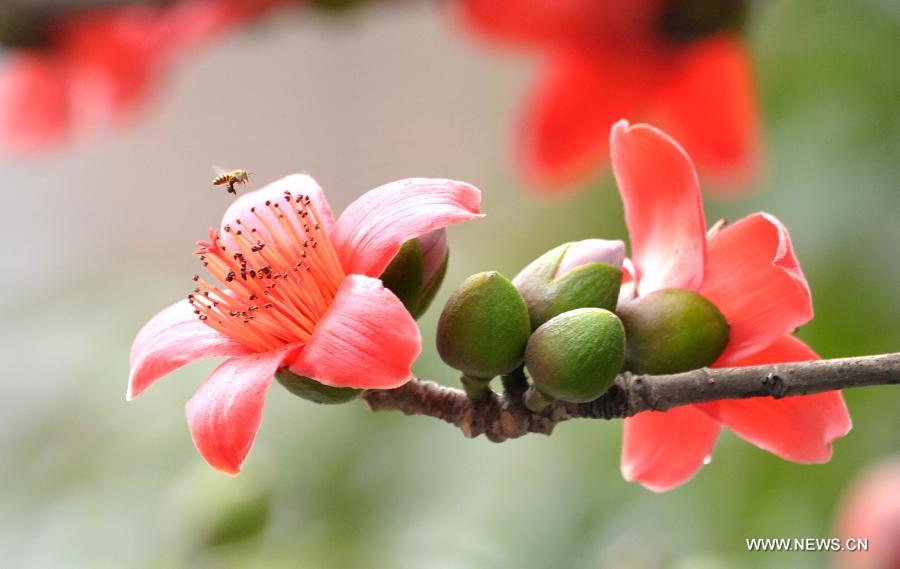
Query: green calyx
x,y
484,327
312,390
405,277
592,285
672,330
575,356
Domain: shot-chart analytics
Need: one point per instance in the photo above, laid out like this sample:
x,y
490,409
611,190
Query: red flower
x,y
749,271
870,510
101,66
298,289
662,60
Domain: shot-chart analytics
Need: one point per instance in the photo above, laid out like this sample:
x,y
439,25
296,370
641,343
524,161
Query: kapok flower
x,y
748,270
291,287
870,509
677,63
102,65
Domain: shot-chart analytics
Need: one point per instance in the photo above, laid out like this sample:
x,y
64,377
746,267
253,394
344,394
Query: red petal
x,y
870,509
297,184
663,208
800,429
225,413
173,338
540,21
367,339
34,104
753,277
569,114
665,450
709,106
371,230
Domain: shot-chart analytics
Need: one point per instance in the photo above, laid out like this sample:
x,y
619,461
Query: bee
x,y
230,179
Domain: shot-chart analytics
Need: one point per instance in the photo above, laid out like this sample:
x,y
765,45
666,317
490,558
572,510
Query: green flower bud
x,y
417,271
576,355
484,327
581,274
312,390
672,330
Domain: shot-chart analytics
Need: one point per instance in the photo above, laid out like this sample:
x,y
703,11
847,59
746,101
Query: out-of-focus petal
x,y
171,339
708,104
225,413
34,103
663,207
582,92
665,450
754,279
870,509
371,230
250,207
367,339
800,429
540,21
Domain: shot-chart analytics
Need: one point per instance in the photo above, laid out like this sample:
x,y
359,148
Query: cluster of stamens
x,y
273,292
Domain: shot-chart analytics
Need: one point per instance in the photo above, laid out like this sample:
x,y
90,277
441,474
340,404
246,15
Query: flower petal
x,y
542,21
664,450
709,106
34,104
173,338
581,93
754,279
367,339
663,208
371,230
225,413
249,208
800,429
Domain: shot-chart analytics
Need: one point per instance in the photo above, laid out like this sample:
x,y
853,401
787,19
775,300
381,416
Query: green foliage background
x,y
99,239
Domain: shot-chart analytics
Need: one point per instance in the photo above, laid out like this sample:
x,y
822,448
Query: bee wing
x,y
218,170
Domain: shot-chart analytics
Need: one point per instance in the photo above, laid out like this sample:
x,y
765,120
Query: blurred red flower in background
x,y
871,510
750,273
675,63
101,66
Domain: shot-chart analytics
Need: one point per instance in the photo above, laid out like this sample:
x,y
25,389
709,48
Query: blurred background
x,y
100,237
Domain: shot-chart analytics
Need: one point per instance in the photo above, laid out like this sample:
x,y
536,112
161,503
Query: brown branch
x,y
501,417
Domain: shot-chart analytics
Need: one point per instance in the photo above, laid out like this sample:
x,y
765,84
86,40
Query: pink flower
x,y
656,59
749,271
870,510
102,66
295,289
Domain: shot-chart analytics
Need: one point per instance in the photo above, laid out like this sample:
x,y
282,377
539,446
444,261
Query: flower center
x,y
688,20
273,292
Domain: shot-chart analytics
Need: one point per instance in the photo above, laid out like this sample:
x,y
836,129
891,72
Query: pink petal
x,y
371,230
297,184
34,103
610,252
870,509
367,339
709,106
800,429
753,277
663,208
540,21
225,413
579,96
665,450
171,339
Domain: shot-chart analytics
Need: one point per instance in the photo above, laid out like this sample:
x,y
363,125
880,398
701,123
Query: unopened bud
x,y
312,390
575,356
417,271
582,274
484,327
672,330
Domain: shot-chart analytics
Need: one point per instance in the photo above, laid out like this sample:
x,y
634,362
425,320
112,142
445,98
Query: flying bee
x,y
230,179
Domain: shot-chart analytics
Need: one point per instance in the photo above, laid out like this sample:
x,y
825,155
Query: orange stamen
x,y
272,293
